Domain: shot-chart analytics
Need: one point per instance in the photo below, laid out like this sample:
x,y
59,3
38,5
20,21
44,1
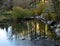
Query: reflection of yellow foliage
x,y
37,27
46,28
42,0
33,26
22,33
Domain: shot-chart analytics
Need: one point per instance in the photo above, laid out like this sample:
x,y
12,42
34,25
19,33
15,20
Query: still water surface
x,y
4,39
23,34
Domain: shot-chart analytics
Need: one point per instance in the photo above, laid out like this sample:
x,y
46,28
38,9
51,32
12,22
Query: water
x,y
24,34
4,39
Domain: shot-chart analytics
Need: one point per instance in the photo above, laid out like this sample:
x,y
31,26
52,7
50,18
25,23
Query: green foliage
x,y
38,9
56,6
50,16
17,12
41,8
20,12
6,13
2,17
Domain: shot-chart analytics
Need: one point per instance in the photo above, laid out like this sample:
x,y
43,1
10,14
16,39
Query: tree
x,y
11,5
56,4
1,2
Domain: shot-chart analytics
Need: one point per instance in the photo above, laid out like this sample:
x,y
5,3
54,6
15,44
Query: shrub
x,y
20,12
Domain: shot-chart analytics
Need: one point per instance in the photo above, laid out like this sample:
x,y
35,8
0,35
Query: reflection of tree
x,y
28,28
51,33
42,29
34,29
4,25
18,28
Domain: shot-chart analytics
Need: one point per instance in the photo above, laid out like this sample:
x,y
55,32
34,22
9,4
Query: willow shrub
x,y
21,13
25,12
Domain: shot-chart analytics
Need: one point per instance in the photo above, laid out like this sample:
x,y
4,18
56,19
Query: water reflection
x,y
4,39
25,33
